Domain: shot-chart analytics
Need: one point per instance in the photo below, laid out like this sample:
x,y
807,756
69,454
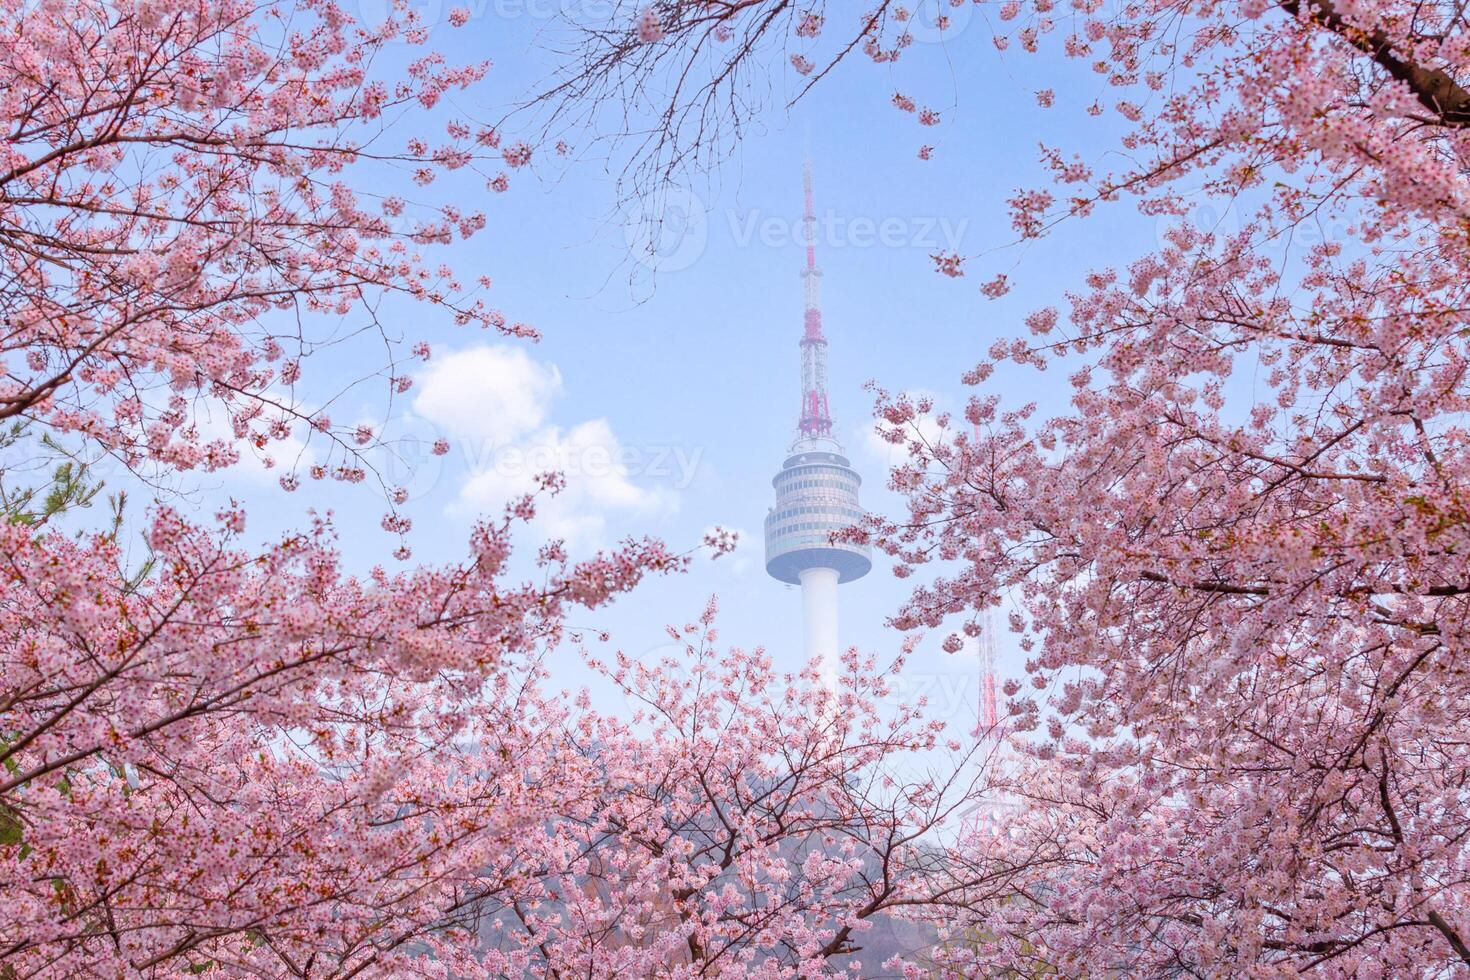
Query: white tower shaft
x,y
819,613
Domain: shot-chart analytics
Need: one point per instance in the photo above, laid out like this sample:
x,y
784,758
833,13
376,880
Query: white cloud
x,y
494,394
491,402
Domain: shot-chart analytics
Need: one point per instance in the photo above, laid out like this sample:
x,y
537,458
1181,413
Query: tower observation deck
x,y
816,488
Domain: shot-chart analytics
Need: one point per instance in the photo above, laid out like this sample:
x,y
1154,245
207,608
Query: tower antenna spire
x,y
989,715
815,421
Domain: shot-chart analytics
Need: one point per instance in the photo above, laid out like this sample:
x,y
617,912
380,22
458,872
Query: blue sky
x,y
693,376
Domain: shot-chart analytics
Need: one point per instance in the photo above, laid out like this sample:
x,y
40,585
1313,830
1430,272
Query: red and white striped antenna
x,y
816,419
989,712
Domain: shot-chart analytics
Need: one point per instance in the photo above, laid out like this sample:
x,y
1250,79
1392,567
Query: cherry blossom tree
x,y
256,761
746,823
1238,559
238,758
179,227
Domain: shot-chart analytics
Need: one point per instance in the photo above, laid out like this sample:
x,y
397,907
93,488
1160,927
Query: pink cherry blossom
x,y
649,28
